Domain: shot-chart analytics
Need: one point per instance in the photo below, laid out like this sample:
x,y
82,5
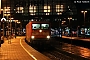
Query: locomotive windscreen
x,y
35,26
44,26
40,26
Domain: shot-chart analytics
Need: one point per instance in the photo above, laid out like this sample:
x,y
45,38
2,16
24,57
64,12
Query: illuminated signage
x,y
81,1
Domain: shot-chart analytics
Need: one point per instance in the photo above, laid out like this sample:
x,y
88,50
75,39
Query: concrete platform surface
x,y
19,50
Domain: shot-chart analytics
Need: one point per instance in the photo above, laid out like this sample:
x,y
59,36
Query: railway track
x,y
55,55
53,52
58,51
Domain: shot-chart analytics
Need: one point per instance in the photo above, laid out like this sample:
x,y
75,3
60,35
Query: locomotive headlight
x,y
48,37
40,30
32,37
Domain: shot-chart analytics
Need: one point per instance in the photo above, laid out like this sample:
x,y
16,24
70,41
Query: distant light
x,y
1,9
68,6
73,19
63,21
32,20
70,18
84,11
14,9
48,37
11,18
18,22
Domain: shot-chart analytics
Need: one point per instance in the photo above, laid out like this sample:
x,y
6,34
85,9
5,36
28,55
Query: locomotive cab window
x,y
35,26
44,26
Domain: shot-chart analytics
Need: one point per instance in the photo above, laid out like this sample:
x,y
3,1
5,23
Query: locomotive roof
x,y
39,21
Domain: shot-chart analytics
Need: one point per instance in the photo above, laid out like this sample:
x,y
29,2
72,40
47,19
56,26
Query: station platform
x,y
77,50
17,49
79,38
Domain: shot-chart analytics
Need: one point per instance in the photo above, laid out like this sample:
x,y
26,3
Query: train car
x,y
38,31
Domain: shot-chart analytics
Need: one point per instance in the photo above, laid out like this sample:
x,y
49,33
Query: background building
x,y
52,10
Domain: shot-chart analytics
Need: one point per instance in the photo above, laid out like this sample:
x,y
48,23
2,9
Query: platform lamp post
x,y
69,18
11,26
3,20
7,14
20,26
7,32
15,26
84,12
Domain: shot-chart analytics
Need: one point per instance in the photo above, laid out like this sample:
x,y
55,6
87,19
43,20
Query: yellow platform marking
x,y
27,51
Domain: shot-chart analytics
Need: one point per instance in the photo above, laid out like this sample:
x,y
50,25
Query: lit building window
x,y
6,9
59,9
19,10
47,9
32,10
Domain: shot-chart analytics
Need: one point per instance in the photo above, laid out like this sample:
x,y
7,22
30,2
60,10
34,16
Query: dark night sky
x,y
82,4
